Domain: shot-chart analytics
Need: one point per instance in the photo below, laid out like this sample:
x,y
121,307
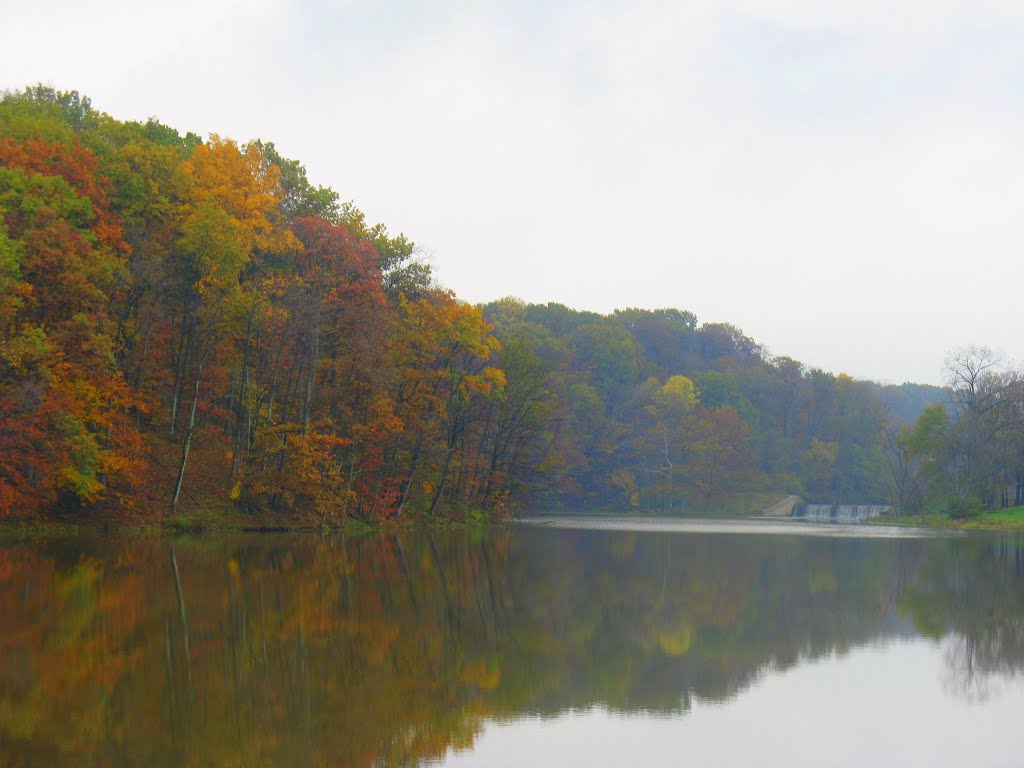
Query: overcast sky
x,y
843,180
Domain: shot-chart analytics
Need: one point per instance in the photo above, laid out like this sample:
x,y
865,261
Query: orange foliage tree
x,y
63,403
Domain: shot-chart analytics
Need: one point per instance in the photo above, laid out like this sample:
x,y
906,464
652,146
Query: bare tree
x,y
987,438
968,369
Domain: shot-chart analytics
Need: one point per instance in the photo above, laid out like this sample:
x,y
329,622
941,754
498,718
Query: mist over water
x,y
762,527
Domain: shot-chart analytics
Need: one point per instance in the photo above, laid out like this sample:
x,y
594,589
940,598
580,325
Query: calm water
x,y
643,644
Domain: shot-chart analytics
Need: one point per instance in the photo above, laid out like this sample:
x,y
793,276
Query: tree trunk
x,y
187,442
314,357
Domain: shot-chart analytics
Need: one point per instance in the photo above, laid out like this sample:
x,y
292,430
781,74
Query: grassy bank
x,y
1010,519
220,519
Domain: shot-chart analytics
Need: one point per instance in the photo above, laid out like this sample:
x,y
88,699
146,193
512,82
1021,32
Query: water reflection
x,y
389,650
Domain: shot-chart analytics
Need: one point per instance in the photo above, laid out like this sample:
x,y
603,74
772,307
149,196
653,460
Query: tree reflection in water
x,y
390,649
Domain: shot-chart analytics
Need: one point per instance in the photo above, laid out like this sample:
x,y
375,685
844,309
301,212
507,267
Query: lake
x,y
553,642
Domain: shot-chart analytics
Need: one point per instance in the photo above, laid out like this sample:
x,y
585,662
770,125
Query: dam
x,y
843,512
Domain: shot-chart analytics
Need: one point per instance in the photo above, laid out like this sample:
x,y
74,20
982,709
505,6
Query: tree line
x,y
657,412
189,323
964,454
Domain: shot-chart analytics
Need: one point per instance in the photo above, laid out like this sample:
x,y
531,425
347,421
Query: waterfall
x,y
844,512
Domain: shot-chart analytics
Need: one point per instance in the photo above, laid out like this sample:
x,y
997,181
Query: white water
x,y
841,511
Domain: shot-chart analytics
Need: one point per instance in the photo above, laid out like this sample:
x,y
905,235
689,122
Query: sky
x,y
842,180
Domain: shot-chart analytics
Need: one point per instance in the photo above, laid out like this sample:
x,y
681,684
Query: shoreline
x,y
1000,521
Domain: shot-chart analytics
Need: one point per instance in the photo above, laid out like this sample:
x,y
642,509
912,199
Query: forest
x,y
191,325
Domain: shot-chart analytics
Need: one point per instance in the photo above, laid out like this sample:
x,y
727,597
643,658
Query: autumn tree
x,y
62,256
667,412
718,452
231,212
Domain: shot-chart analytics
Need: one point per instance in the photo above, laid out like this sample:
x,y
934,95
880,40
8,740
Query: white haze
x,y
842,180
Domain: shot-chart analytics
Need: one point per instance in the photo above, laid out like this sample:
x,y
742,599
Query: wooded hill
x,y
190,324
